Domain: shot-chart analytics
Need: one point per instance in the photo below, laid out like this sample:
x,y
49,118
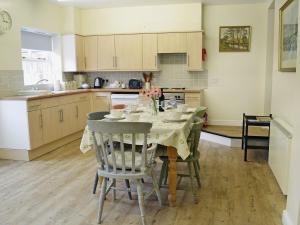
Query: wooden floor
x,y
56,189
235,131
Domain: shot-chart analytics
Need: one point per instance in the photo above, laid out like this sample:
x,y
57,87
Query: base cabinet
x,y
193,100
35,123
101,102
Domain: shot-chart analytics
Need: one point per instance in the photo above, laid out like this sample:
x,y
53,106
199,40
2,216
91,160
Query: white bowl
x,y
132,117
116,113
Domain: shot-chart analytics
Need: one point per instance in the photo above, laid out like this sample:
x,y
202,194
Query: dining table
x,y
166,132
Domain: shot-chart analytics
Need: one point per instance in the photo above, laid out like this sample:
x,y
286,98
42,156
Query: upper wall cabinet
x,y
73,53
106,52
90,53
129,51
150,52
194,51
172,43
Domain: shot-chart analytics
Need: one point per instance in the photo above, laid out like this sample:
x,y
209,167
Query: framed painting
x,y
288,36
234,38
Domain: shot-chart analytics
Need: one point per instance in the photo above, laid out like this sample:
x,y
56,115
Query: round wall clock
x,y
5,21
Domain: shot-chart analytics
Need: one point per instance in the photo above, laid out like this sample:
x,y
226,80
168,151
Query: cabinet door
x,y
106,52
149,51
83,108
69,119
79,45
90,53
101,102
129,50
193,99
35,122
52,124
172,43
194,51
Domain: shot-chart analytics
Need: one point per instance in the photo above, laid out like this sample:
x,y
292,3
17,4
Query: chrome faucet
x,y
39,82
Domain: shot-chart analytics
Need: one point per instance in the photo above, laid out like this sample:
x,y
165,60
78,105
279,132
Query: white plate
x,y
136,111
174,121
110,117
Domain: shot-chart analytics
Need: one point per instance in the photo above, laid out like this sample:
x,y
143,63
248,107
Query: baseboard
x,y
27,155
225,122
286,219
230,142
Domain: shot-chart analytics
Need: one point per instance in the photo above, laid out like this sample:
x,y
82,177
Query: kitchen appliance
x,y
174,93
135,84
118,98
99,82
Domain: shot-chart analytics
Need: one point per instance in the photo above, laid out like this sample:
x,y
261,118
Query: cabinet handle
x,y
116,62
188,60
155,61
77,112
62,116
41,121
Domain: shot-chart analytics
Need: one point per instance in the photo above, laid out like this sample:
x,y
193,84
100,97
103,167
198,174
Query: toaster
x,y
135,84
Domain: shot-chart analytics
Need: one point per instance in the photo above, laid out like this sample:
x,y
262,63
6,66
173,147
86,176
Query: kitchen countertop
x,y
80,91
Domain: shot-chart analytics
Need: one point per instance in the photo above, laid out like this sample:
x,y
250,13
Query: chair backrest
x,y
107,132
196,132
97,115
200,111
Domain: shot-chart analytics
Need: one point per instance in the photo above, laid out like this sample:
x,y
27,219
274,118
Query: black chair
x,y
100,116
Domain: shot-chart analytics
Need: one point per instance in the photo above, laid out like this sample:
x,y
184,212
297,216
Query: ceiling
x,y
122,3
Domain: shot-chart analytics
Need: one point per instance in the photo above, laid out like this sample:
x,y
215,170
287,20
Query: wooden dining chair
x,y
100,116
192,160
117,163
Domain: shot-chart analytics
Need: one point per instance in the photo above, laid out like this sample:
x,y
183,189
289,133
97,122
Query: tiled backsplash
x,y
173,73
10,81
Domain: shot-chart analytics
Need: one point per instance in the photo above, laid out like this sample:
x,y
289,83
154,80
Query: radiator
x,y
279,152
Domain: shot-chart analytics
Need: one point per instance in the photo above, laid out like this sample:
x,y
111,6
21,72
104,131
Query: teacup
x,y
133,107
182,108
174,115
116,113
132,117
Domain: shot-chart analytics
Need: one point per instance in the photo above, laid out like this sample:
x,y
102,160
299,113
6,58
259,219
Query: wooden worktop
x,y
79,91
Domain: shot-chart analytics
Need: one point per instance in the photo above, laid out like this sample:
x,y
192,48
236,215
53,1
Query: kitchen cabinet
x,y
129,50
52,123
90,53
172,43
150,52
35,123
82,110
73,53
101,102
194,51
106,52
193,100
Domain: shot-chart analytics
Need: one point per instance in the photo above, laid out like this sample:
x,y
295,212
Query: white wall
x,y
183,17
236,81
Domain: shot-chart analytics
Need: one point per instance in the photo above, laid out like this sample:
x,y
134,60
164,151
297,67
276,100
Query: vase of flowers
x,y
152,94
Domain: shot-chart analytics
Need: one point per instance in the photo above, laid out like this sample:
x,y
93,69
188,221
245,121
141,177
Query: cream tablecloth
x,y
168,134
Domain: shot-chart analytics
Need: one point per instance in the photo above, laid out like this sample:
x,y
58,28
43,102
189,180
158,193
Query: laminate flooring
x,y
56,189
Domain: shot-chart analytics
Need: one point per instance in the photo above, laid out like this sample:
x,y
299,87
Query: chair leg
x,y
197,173
166,173
198,165
141,200
114,190
162,173
128,186
101,199
95,183
192,183
156,188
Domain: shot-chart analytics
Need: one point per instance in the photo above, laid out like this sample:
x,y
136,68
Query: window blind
x,y
36,41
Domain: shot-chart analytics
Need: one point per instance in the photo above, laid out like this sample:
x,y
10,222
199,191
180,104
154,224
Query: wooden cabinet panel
x,y
106,52
194,51
90,53
129,51
83,108
35,122
193,99
101,102
52,124
149,51
172,43
69,119
79,46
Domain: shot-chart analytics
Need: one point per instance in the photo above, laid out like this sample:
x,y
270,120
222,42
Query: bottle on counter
x,y
161,101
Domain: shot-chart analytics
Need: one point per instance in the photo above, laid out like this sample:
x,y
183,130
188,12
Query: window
x,y
37,57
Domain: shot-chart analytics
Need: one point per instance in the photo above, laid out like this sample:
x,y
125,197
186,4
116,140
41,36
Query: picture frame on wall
x,y
234,38
288,36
